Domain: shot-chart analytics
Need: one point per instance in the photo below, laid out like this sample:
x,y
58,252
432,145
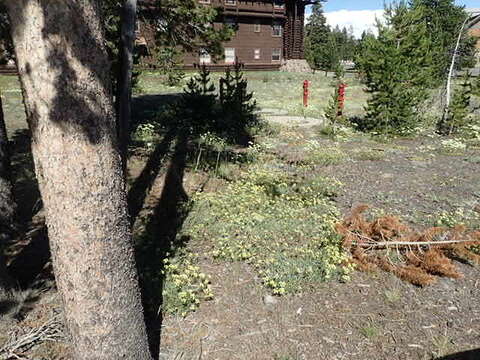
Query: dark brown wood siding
x,y
247,42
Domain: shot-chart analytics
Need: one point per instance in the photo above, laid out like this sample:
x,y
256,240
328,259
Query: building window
x,y
256,54
276,54
205,57
256,26
230,2
277,29
230,21
204,1
278,4
229,55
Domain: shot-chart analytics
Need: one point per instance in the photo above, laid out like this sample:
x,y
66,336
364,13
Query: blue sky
x,y
334,5
361,14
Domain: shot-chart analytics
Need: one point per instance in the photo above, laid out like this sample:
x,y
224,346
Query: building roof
x,y
474,17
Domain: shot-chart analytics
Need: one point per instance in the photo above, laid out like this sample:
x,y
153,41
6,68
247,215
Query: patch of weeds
x,y
452,147
185,285
319,154
146,135
228,171
368,155
370,331
283,228
473,159
392,296
441,345
459,216
209,150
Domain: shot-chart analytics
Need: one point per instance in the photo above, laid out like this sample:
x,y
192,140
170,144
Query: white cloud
x,y
360,20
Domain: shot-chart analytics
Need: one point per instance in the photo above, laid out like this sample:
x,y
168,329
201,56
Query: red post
x,y
305,93
341,98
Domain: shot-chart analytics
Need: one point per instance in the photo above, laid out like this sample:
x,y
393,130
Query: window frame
x,y
274,51
204,54
257,26
225,55
277,25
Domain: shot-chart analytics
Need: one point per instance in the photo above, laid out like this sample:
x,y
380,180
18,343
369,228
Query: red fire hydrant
x,y
305,93
341,98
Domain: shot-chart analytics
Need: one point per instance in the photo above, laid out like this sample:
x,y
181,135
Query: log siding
x,y
267,32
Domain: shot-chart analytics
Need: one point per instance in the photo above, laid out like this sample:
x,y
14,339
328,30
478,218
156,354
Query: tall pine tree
x,y
396,69
318,49
443,20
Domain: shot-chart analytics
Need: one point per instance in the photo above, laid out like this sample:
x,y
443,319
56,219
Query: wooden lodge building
x,y
268,34
473,26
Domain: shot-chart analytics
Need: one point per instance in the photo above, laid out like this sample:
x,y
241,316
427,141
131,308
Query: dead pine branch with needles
x,y
417,257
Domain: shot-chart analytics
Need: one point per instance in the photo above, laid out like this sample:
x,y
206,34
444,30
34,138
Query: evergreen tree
x,y
238,106
324,47
317,37
332,111
459,109
396,70
443,20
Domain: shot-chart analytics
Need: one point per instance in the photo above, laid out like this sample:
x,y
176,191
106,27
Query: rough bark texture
x,y
7,206
64,73
124,93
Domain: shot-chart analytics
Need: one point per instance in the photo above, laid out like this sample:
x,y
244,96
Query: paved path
x,y
280,116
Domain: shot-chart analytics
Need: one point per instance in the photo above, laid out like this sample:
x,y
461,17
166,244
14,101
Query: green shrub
x,y
185,285
283,228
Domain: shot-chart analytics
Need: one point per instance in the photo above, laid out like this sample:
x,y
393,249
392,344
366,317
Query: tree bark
x,y
124,83
7,207
64,72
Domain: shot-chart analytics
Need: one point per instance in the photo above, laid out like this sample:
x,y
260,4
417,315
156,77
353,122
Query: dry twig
x,y
49,331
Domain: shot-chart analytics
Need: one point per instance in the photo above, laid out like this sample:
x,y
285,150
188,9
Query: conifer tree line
x,y
326,47
410,56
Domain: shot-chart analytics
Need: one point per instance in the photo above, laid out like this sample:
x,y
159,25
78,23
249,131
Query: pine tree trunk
x,y
124,84
7,206
64,74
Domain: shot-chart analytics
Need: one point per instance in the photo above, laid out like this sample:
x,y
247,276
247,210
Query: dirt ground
x,y
374,316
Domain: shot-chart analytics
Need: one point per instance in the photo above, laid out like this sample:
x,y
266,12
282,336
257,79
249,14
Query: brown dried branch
x,y
52,330
421,256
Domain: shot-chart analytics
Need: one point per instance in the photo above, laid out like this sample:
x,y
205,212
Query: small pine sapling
x,y
333,112
198,103
238,105
457,116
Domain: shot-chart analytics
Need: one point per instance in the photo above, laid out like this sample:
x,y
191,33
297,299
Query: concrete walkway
x,y
279,116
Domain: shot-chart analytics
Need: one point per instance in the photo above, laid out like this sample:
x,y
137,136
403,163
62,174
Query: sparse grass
x,y
368,155
369,331
13,108
287,97
441,345
319,154
392,296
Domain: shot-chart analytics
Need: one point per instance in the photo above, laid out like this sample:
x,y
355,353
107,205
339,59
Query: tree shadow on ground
x,y
159,236
160,228
160,240
29,252
145,110
466,355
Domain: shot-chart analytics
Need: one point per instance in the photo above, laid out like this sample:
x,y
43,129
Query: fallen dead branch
x,y
419,257
52,330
